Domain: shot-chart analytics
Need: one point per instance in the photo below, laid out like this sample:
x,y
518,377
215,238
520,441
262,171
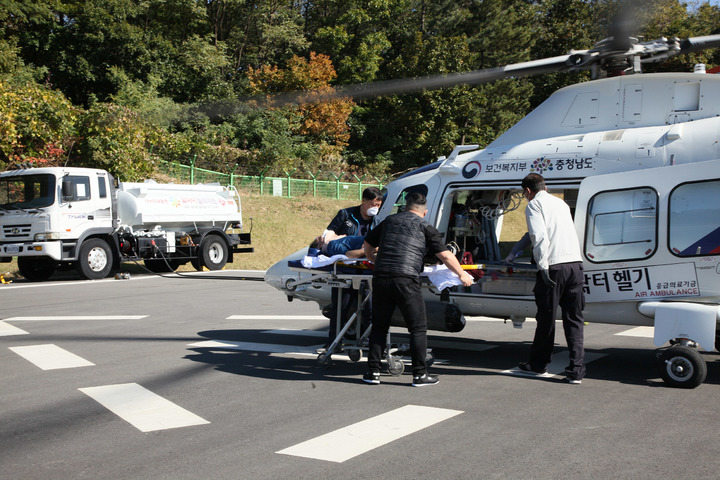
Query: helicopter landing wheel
x,y
681,367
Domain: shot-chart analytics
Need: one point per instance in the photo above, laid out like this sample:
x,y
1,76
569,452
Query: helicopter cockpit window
x,y
399,204
694,224
622,225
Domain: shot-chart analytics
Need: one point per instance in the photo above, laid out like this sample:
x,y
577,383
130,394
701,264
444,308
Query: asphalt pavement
x,y
214,376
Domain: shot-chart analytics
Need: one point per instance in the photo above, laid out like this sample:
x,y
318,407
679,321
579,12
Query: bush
x,y
36,122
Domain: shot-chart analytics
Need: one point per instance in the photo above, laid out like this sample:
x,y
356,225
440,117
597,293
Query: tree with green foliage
x,y
126,81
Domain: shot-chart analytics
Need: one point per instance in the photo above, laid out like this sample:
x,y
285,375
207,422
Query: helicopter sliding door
x,y
473,220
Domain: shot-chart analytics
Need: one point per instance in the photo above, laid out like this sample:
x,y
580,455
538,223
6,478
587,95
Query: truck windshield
x,y
27,191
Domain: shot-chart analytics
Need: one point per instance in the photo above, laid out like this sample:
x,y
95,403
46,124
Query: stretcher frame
x,y
336,276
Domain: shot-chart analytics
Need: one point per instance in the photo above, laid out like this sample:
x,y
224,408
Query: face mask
x,y
372,211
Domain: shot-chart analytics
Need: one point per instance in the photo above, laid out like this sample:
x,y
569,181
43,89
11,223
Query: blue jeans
x,y
342,245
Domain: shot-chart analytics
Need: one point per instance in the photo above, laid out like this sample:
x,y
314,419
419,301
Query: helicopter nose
x,y
278,275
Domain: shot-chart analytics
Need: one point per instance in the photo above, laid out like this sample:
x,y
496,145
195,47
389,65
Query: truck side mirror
x,y
67,190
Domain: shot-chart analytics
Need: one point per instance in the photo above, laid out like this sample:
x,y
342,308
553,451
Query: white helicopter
x,y
637,158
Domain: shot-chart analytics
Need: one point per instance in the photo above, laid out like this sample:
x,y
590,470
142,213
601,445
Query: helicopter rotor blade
x,y
694,44
431,82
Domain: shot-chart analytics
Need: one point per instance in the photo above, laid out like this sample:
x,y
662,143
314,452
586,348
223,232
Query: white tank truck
x,y
53,218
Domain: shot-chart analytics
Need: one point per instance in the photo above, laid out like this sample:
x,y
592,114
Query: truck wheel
x,y
36,269
682,367
95,259
214,252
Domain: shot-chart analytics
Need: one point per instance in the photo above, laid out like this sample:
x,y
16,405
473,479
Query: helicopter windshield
x,y
27,191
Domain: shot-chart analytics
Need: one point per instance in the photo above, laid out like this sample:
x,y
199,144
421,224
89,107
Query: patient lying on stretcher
x,y
349,245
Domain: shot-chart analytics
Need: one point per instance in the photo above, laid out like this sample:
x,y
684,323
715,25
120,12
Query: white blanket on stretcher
x,y
439,275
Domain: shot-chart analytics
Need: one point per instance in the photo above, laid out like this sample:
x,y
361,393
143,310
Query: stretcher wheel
x,y
355,354
429,359
323,360
395,366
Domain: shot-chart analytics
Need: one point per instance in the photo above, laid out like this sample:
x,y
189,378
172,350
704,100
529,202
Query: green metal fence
x,y
340,186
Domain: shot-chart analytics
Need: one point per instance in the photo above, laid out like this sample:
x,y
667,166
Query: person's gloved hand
x,y
545,274
511,256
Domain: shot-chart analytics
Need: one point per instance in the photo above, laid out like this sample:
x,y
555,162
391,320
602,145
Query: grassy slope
x,y
281,226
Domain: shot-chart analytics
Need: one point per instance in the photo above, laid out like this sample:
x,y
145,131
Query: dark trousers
x,y
568,294
404,293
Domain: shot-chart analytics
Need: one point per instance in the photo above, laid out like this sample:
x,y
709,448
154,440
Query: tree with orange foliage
x,y
323,122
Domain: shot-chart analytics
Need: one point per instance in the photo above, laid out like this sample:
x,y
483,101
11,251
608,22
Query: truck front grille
x,y
16,232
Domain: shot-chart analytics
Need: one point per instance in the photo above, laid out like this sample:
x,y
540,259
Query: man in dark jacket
x,y
402,241
355,220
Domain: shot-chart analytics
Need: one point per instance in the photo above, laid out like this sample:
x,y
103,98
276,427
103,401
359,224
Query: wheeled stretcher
x,y
352,334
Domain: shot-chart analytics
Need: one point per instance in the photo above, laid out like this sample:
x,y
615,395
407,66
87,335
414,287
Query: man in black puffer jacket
x,y
402,241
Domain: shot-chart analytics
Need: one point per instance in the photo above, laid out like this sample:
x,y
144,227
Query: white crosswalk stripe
x,y
50,357
361,437
6,330
642,332
142,408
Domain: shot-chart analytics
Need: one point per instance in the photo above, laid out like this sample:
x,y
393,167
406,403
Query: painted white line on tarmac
x,y
642,332
76,317
277,317
301,333
361,437
451,344
557,366
142,408
50,357
6,330
256,347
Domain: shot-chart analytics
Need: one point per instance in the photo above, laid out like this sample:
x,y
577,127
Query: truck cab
x,y
45,213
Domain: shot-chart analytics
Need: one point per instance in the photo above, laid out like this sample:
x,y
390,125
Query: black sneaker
x,y
372,378
525,367
424,380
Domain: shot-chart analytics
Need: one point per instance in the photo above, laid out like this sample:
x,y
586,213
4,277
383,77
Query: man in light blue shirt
x,y
560,279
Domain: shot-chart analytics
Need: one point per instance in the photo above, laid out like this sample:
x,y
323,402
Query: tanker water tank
x,y
177,206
